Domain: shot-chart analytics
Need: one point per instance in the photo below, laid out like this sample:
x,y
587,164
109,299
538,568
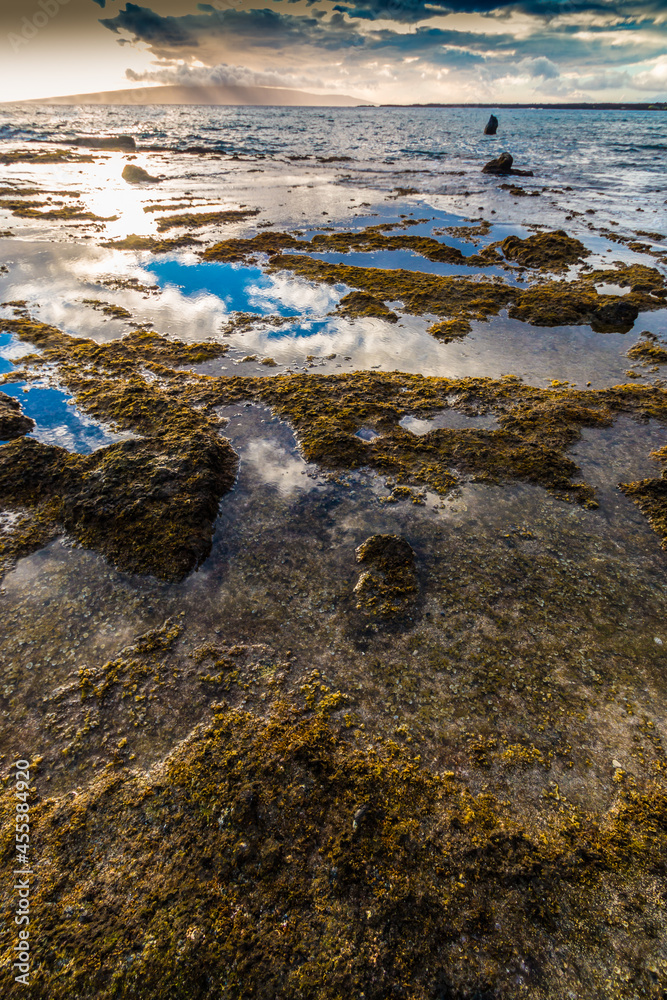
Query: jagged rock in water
x,y
491,126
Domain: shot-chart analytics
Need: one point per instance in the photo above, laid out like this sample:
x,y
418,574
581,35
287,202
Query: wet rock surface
x,y
137,175
13,422
503,165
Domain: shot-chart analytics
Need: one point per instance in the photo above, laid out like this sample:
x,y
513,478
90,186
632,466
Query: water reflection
x,y
58,422
454,419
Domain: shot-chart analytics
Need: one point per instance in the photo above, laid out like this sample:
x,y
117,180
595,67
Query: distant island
x,y
205,95
239,96
564,106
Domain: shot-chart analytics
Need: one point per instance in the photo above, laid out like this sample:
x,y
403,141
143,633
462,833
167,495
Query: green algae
x,y
129,284
560,303
470,234
648,351
544,251
50,156
650,496
419,293
30,210
134,242
357,304
457,300
294,860
108,308
239,250
241,322
148,504
536,427
371,239
190,220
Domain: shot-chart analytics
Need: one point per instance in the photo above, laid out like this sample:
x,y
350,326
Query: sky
x,y
382,51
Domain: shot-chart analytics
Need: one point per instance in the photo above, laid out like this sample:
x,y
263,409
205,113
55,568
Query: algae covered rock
x,y
650,496
357,304
148,504
615,316
549,251
137,175
13,422
389,586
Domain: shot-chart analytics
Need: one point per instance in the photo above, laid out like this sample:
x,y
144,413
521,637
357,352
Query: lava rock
x,y
615,316
13,422
491,126
503,166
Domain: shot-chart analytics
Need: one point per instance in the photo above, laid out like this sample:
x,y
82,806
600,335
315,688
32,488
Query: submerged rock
x,y
137,175
13,422
650,496
390,585
491,126
503,166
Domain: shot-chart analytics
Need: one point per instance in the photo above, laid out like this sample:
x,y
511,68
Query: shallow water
x,y
282,566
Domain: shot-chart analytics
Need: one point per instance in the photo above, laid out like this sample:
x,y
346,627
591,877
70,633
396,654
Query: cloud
x,y
538,67
223,75
360,44
417,10
144,24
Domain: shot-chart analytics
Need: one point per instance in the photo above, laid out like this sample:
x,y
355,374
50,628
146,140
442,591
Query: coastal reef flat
x,y
333,556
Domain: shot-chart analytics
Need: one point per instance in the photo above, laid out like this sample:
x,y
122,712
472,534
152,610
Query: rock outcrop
x,y
491,126
503,166
13,422
137,175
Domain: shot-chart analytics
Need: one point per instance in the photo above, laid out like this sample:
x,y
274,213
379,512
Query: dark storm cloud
x,y
259,28
143,23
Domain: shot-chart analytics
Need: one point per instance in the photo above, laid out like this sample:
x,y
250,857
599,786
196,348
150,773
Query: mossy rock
x,y
389,586
285,858
13,422
137,175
